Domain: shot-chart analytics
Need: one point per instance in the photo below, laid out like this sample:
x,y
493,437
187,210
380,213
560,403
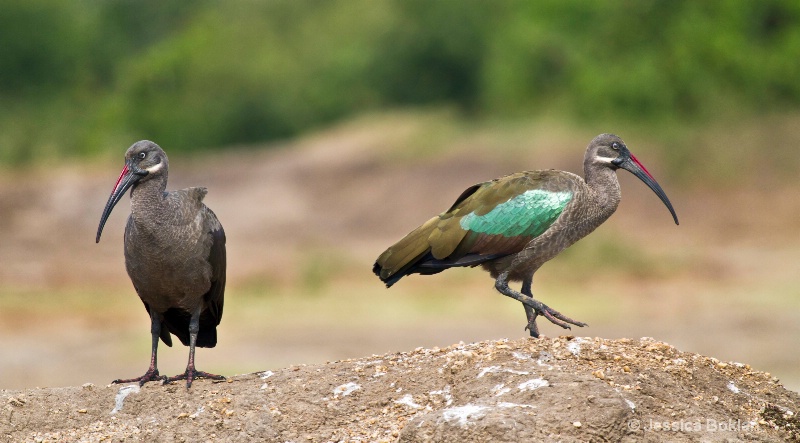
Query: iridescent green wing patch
x,y
528,214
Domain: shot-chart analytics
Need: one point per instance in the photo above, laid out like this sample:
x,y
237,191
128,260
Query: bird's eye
x,y
142,155
615,146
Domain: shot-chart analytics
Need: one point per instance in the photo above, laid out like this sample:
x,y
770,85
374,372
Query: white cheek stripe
x,y
155,168
604,160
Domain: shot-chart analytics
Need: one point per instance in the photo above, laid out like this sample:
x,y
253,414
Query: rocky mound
x,y
559,389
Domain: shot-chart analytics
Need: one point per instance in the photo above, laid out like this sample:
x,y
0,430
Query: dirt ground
x,y
552,389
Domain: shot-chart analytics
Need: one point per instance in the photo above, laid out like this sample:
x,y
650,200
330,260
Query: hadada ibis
x,y
174,255
514,224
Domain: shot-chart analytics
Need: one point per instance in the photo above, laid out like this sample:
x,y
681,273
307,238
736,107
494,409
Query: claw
x,y
191,374
150,375
531,314
556,317
531,326
533,307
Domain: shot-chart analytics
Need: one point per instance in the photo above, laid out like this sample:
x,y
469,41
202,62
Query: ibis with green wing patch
x,y
514,224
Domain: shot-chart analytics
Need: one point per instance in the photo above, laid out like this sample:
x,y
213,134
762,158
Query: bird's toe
x,y
190,375
151,375
558,318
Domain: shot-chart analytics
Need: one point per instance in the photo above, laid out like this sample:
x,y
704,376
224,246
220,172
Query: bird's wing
x,y
487,221
500,217
215,297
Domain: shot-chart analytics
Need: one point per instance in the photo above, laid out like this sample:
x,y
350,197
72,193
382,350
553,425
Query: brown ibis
x,y
174,255
514,224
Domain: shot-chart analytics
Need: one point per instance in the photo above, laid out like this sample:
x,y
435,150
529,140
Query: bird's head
x,y
610,151
144,160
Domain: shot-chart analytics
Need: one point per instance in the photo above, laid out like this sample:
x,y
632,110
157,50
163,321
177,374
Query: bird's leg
x,y
555,317
152,372
191,373
530,313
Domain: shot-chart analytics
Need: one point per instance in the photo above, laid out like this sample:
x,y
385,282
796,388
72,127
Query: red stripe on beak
x,y
635,160
125,171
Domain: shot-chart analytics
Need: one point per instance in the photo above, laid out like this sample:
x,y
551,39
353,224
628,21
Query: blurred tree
x,y
433,53
78,76
42,47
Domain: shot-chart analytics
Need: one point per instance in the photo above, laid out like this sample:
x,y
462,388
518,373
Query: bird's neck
x,y
604,188
148,199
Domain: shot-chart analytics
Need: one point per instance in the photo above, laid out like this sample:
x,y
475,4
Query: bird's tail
x,y
399,260
414,254
177,322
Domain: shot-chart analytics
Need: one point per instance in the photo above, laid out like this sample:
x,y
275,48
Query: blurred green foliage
x,y
79,77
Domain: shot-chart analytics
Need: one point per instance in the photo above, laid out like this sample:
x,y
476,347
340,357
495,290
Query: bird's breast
x,y
169,264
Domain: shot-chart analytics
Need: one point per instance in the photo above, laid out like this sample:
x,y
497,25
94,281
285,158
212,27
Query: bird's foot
x,y
551,314
192,374
150,375
534,308
531,315
532,327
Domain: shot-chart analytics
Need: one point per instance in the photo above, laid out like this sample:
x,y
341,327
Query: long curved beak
x,y
635,167
127,178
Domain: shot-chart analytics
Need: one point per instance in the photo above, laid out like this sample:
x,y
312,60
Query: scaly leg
x,y
530,313
191,373
152,372
539,308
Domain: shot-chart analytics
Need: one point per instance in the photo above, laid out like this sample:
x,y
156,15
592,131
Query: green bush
x,y
87,76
